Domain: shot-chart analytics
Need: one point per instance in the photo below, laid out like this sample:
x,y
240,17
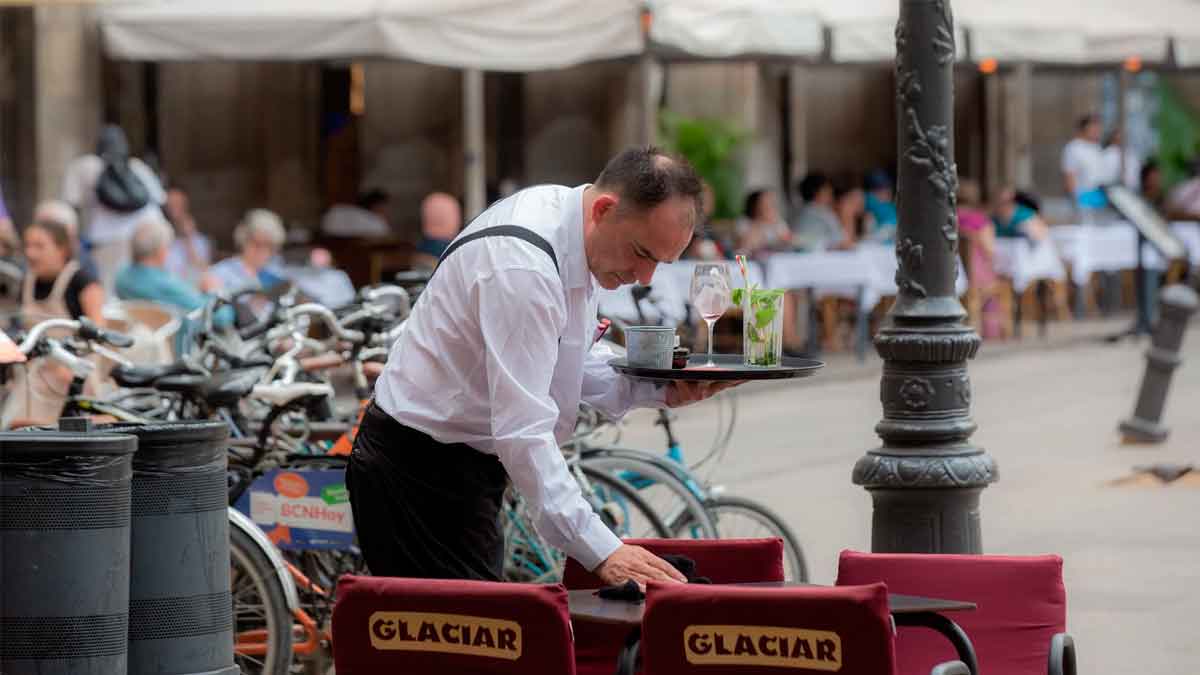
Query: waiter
x,y
486,380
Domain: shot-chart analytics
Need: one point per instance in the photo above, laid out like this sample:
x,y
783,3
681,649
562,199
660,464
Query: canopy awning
x,y
734,28
498,35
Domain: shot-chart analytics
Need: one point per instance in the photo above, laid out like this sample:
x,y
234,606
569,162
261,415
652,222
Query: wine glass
x,y
711,296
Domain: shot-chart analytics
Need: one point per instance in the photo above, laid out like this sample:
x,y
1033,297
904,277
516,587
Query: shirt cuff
x,y
649,395
594,544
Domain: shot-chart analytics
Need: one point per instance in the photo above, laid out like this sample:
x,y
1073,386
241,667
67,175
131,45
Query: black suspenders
x,y
502,231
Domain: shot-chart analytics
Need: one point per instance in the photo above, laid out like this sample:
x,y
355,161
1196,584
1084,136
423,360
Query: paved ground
x,y
1047,411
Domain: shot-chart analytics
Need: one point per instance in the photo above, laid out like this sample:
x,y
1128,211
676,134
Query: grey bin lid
x,y
168,434
39,443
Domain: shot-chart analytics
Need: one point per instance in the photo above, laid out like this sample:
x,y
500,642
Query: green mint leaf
x,y
737,296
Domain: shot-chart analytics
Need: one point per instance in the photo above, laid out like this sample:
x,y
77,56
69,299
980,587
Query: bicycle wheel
x,y
622,508
742,518
262,625
667,489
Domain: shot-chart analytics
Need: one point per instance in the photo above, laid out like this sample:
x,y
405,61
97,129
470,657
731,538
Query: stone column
x,y
474,180
66,90
926,479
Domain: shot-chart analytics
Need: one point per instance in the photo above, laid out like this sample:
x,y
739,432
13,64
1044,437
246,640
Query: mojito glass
x,y
762,326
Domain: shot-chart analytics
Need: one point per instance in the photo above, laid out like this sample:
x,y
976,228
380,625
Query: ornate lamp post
x,y
926,479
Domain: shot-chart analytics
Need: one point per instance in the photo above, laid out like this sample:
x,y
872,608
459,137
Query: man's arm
x,y
520,314
609,392
520,311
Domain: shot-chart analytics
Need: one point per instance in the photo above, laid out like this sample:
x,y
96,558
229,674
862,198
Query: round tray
x,y
730,367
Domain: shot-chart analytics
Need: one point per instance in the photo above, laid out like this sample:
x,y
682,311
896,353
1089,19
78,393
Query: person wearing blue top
x,y
880,198
1013,219
148,279
259,237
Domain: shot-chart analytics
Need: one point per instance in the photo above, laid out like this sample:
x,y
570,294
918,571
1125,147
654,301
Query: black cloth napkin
x,y
629,591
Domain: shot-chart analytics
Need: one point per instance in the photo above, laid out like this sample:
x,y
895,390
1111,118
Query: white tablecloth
x,y
1024,262
670,289
870,267
1111,248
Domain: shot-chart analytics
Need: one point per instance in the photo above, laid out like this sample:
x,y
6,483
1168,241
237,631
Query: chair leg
x,y
829,317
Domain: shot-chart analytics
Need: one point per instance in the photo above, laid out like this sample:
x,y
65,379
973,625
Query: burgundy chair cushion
x,y
1021,604
724,561
438,626
743,631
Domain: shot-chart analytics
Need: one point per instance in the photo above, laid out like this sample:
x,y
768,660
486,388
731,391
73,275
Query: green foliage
x,y
712,148
1178,135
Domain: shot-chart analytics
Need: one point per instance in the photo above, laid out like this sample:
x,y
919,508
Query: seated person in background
x,y
56,286
817,225
259,238
1017,220
148,278
1183,201
880,206
368,219
703,245
978,230
850,207
61,212
1150,185
441,220
190,253
10,243
761,229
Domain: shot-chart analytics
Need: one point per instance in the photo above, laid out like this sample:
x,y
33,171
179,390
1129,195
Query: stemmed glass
x,y
711,296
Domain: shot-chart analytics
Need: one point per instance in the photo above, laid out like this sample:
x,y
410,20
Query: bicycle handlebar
x,y
83,328
327,317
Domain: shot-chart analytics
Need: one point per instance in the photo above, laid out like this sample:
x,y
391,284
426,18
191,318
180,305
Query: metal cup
x,y
649,346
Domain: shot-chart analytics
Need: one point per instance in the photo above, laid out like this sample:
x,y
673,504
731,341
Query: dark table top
x,y
584,604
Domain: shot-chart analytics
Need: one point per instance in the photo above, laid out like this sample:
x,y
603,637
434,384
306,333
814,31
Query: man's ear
x,y
602,205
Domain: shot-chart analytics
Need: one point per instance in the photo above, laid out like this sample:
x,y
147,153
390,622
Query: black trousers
x,y
424,509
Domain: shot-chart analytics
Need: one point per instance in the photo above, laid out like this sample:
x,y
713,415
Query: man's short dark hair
x,y
1085,121
645,176
811,184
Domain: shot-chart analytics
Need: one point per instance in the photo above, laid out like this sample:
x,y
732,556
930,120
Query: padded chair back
x,y
440,626
724,561
694,630
1021,604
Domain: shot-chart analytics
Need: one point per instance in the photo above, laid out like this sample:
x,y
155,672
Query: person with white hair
x,y
259,238
147,278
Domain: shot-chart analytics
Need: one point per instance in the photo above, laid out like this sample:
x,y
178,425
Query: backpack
x,y
119,188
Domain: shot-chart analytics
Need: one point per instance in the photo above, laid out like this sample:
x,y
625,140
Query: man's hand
x,y
680,393
635,562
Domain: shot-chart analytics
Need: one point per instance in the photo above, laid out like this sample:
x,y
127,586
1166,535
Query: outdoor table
x,y
907,610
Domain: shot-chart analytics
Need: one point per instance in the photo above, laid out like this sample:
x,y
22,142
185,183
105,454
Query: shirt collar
x,y
578,275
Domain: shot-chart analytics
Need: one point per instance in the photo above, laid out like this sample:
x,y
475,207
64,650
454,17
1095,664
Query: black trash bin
x,y
180,610
64,552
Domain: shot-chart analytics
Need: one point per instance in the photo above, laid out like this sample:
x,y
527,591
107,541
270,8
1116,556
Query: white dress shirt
x,y
498,353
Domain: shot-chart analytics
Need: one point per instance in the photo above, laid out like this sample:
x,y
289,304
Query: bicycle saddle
x,y
222,389
144,376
